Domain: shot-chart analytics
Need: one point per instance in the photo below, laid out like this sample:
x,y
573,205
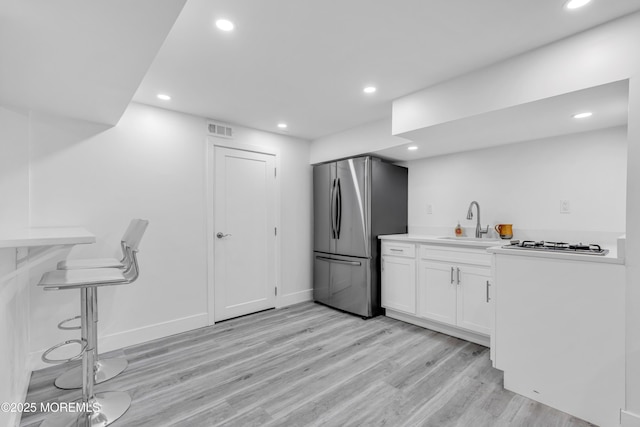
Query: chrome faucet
x,y
479,230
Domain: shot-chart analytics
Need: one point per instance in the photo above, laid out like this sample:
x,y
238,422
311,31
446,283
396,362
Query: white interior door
x,y
244,228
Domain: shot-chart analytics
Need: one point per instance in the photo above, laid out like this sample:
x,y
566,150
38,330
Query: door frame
x,y
211,144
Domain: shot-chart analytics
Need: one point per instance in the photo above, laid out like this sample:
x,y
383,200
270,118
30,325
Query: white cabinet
x,y
454,287
474,305
437,292
441,287
399,277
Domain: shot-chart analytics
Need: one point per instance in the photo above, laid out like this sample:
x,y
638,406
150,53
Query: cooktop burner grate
x,y
590,249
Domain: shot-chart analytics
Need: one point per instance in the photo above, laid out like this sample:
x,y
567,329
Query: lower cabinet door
x,y
399,284
474,302
437,291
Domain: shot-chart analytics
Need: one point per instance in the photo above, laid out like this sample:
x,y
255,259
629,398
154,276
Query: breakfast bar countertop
x,y
45,236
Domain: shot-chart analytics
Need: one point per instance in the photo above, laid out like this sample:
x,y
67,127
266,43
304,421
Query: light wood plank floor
x,y
309,365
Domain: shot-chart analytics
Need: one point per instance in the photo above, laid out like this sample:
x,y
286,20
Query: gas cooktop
x,y
579,248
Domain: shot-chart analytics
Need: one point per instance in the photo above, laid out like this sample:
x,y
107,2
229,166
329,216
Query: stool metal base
x,y
105,370
112,405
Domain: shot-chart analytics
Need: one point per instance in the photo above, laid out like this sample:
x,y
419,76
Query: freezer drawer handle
x,y
338,261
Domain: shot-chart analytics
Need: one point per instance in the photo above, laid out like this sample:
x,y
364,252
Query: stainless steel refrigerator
x,y
355,201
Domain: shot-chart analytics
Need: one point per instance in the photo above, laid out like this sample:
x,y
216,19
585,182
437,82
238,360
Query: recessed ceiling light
x,y
225,25
583,115
282,125
412,147
163,97
369,89
575,4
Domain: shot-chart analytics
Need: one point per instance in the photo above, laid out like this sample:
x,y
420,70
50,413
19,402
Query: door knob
x,y
220,235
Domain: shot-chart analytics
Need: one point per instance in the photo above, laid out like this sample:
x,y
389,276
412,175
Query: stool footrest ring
x,y
69,328
83,348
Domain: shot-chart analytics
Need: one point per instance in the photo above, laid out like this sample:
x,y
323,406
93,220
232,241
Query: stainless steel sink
x,y
470,239
473,239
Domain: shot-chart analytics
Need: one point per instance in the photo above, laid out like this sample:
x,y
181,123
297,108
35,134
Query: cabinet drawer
x,y
455,255
399,249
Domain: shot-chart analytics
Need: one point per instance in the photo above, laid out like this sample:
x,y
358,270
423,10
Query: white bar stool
x,y
104,407
105,368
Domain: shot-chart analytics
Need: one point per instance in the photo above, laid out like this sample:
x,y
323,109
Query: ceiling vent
x,y
219,130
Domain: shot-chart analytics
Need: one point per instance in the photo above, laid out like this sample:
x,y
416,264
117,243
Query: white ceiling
x,y
535,120
305,63
77,58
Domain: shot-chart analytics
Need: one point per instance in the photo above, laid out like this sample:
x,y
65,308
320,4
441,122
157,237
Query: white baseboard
x,y
629,419
295,298
136,336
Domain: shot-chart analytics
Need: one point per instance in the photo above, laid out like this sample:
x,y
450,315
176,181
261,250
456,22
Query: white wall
x,y
14,303
14,168
523,184
363,139
151,165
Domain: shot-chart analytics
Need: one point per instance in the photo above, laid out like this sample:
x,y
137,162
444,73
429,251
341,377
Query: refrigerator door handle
x,y
333,217
339,261
339,210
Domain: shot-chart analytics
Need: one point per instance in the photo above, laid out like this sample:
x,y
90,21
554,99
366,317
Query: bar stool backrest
x,y
133,225
131,247
134,233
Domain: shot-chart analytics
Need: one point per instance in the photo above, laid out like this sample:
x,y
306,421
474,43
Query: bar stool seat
x,y
55,280
76,279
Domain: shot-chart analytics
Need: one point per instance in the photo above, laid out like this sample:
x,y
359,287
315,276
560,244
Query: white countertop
x,y
615,255
444,240
45,236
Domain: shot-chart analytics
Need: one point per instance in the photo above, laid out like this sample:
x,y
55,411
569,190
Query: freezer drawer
x,y
343,283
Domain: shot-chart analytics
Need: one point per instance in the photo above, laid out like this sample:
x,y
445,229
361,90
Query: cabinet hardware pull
x,y
395,250
488,298
458,275
452,275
